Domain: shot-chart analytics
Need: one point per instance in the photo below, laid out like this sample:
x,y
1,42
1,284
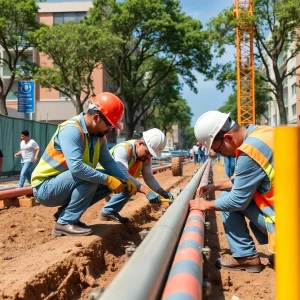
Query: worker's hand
x,y
16,155
166,195
35,159
198,204
206,190
114,184
153,197
131,187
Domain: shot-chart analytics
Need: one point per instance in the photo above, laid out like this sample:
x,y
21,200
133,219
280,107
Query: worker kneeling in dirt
x,y
250,194
66,176
135,157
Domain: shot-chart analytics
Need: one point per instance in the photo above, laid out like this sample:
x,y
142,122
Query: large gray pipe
x,y
144,275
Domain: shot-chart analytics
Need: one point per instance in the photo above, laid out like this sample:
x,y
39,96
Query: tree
x,y
76,50
17,20
189,138
262,98
157,40
276,40
166,115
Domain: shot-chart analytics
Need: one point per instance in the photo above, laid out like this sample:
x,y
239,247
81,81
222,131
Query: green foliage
x,y
158,40
189,137
176,112
17,21
262,98
275,26
75,50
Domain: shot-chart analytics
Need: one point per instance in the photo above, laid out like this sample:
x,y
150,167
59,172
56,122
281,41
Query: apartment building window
x,y
294,109
294,89
62,95
66,17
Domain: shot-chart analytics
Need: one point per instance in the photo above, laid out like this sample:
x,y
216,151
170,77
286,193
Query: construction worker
x,y
66,176
250,194
135,157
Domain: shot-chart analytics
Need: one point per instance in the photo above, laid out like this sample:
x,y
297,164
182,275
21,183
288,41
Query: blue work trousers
x,y
237,232
25,173
73,193
116,203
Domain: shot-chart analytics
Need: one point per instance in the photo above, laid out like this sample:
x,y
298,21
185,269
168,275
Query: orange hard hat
x,y
111,107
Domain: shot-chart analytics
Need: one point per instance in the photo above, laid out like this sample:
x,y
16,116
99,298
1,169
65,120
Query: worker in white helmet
x,y
134,158
250,194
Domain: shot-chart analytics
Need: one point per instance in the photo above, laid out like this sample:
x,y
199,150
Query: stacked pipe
x,y
144,275
186,274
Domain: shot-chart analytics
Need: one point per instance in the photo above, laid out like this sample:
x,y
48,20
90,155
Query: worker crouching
x,y
250,194
134,157
66,176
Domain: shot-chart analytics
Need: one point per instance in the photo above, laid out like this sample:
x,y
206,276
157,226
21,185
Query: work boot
x,y
70,230
113,216
272,260
251,264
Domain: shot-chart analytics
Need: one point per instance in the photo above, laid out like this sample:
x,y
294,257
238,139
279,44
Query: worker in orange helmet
x,y
66,176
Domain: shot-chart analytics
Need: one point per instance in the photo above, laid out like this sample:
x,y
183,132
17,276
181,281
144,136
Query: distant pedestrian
x,y
229,166
201,153
1,161
195,152
29,150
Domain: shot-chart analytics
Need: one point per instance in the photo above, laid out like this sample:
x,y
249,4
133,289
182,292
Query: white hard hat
x,y
155,141
209,125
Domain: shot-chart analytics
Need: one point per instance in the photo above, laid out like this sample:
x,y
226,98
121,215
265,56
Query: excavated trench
x,y
72,268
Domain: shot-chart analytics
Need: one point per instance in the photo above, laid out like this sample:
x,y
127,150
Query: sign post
x,y
26,98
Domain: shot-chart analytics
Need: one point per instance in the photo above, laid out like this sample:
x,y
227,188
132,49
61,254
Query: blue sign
x,y
26,96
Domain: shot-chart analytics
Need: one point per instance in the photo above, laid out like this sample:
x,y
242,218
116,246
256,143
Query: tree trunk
x,y
129,130
78,105
3,109
281,107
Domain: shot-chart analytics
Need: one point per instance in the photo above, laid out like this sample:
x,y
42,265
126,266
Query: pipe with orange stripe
x,y
186,274
144,275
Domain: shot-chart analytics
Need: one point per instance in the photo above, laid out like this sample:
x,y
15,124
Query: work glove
x,y
167,195
114,184
131,187
153,197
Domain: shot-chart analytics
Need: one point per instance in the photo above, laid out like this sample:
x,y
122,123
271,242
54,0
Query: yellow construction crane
x,y
245,63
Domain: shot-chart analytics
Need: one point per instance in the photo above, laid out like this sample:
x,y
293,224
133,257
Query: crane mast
x,y
245,63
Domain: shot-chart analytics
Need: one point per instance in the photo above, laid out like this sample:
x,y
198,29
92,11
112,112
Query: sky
x,y
208,97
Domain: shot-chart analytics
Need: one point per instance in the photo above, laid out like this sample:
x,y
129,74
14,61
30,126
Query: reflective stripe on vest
x,y
259,146
53,162
135,166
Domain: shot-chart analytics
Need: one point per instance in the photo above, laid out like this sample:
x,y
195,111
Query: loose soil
x,y
240,284
36,265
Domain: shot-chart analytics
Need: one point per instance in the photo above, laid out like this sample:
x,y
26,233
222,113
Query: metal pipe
x,y
287,195
186,274
144,275
13,193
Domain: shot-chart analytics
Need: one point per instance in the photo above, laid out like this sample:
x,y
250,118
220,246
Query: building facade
x,y
291,91
51,105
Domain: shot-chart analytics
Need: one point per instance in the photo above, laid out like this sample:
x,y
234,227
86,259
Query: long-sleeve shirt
x,y
121,157
250,177
69,142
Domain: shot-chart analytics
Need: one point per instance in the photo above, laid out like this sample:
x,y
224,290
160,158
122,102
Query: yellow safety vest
x,y
135,166
53,162
259,146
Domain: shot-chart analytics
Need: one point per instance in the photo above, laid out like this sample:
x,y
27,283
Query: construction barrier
x,y
11,129
287,195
